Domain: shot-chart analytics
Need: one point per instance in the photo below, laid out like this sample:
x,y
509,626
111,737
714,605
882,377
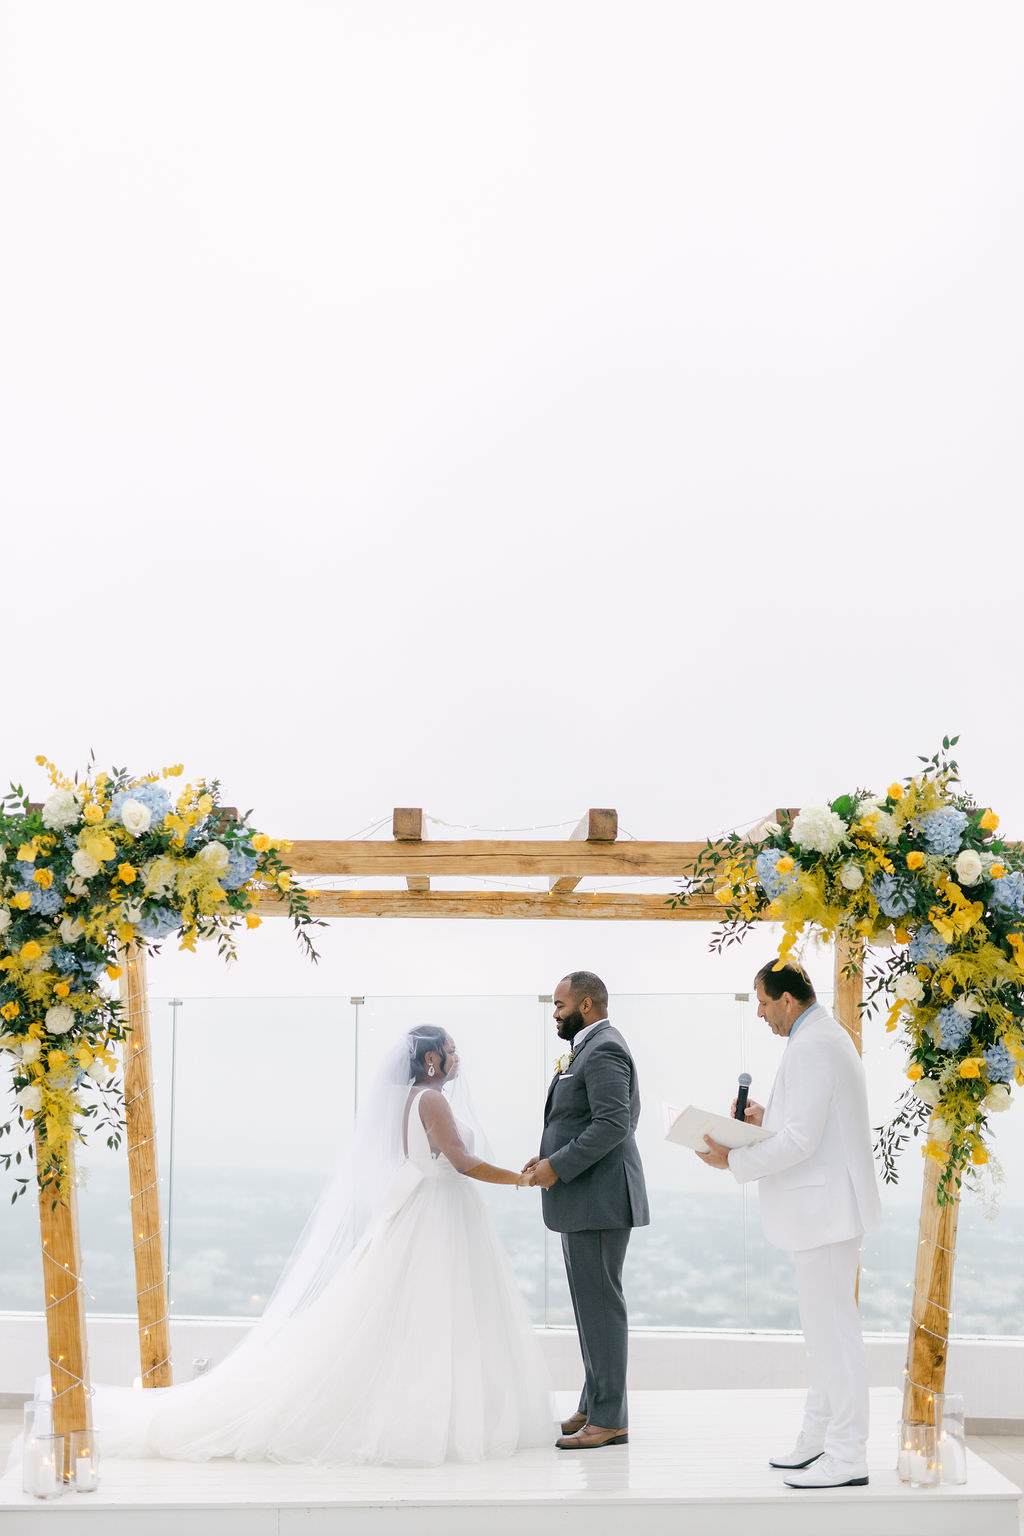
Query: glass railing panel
x,y
263,1100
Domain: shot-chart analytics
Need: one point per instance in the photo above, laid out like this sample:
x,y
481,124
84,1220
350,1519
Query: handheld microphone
x,y
741,1097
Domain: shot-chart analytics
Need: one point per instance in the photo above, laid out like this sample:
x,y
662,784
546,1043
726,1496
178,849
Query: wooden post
x,y
65,1309
147,1228
928,1344
848,987
407,826
599,825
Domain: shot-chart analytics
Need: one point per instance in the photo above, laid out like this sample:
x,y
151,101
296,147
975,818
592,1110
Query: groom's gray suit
x,y
590,1118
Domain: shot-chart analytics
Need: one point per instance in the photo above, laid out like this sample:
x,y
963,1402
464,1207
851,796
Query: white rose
x,y
969,867
762,829
30,1098
71,928
215,857
9,1042
908,989
938,1130
998,1098
97,1071
76,886
59,1019
927,1090
84,864
131,912
850,877
135,817
5,919
62,809
967,1006
30,1050
819,828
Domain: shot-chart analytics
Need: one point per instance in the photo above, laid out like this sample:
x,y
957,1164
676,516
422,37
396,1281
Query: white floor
x,y
696,1461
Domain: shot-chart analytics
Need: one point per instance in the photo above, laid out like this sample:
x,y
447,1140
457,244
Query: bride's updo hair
x,y
424,1038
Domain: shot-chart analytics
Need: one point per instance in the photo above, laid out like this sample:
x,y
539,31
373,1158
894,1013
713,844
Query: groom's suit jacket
x,y
590,1119
817,1173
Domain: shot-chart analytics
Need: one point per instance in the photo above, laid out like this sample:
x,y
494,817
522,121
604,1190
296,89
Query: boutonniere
x,y
563,1063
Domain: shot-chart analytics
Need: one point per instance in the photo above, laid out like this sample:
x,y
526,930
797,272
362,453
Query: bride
x,y
397,1332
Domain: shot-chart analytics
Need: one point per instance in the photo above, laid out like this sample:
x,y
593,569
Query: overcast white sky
x,y
510,409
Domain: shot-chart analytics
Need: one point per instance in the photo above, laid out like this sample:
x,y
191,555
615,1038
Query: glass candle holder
x,y
952,1440
42,1466
917,1461
84,1458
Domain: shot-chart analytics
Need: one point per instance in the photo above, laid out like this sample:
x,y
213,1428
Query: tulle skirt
x,y
418,1351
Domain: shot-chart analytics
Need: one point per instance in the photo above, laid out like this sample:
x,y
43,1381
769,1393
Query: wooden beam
x,y
407,826
143,1180
848,989
928,1344
65,1309
472,858
597,826
528,905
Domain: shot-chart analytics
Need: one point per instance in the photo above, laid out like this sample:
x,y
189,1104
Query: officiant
x,y
818,1196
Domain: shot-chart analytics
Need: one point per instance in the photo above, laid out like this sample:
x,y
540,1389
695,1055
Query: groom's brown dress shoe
x,y
574,1422
590,1437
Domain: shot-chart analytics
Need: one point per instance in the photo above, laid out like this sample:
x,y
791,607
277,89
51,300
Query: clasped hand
x,y
538,1174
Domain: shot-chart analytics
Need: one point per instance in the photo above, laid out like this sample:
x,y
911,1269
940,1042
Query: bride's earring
x,y
430,1070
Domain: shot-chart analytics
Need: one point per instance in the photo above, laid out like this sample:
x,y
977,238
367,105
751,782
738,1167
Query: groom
x,y
594,1195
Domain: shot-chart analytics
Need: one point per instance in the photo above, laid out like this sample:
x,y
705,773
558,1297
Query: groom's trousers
x,y
593,1267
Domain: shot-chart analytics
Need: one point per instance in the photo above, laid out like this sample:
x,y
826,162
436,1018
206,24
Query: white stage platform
x,y
696,1461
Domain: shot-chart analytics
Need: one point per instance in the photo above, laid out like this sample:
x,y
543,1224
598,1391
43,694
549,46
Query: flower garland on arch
x,y
110,861
919,876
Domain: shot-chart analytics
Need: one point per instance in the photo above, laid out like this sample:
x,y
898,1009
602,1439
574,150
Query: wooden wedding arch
x,y
412,862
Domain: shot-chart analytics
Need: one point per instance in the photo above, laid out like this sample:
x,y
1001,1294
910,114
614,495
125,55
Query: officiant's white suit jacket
x,y
816,1173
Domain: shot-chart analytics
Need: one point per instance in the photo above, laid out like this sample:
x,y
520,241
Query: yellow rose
x,y
895,791
901,936
205,804
126,872
58,1058
30,951
989,821
43,877
114,971
261,842
915,1072
252,921
103,847
284,880
62,989
997,871
978,1155
93,813
970,1066
784,865
915,860
27,853
10,1011
22,901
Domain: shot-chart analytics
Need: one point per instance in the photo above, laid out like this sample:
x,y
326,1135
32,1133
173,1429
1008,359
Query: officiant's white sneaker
x,y
806,1450
828,1472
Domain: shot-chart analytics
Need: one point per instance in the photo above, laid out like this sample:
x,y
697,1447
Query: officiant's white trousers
x,y
836,1411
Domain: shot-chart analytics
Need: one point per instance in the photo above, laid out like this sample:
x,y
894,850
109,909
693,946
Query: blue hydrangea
x,y
159,922
46,903
1008,892
772,883
241,867
894,896
69,963
156,800
943,830
1000,1064
926,947
953,1028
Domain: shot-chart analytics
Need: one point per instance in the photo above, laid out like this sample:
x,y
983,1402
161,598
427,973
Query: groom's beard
x,y
570,1026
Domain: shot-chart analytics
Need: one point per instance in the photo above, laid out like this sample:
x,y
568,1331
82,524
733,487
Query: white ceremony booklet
x,y
689,1126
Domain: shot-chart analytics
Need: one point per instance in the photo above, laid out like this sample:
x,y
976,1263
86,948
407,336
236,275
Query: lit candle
x,y
86,1480
46,1477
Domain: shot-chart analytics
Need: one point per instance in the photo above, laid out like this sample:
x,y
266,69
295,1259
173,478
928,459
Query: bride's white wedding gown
x,y
418,1351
